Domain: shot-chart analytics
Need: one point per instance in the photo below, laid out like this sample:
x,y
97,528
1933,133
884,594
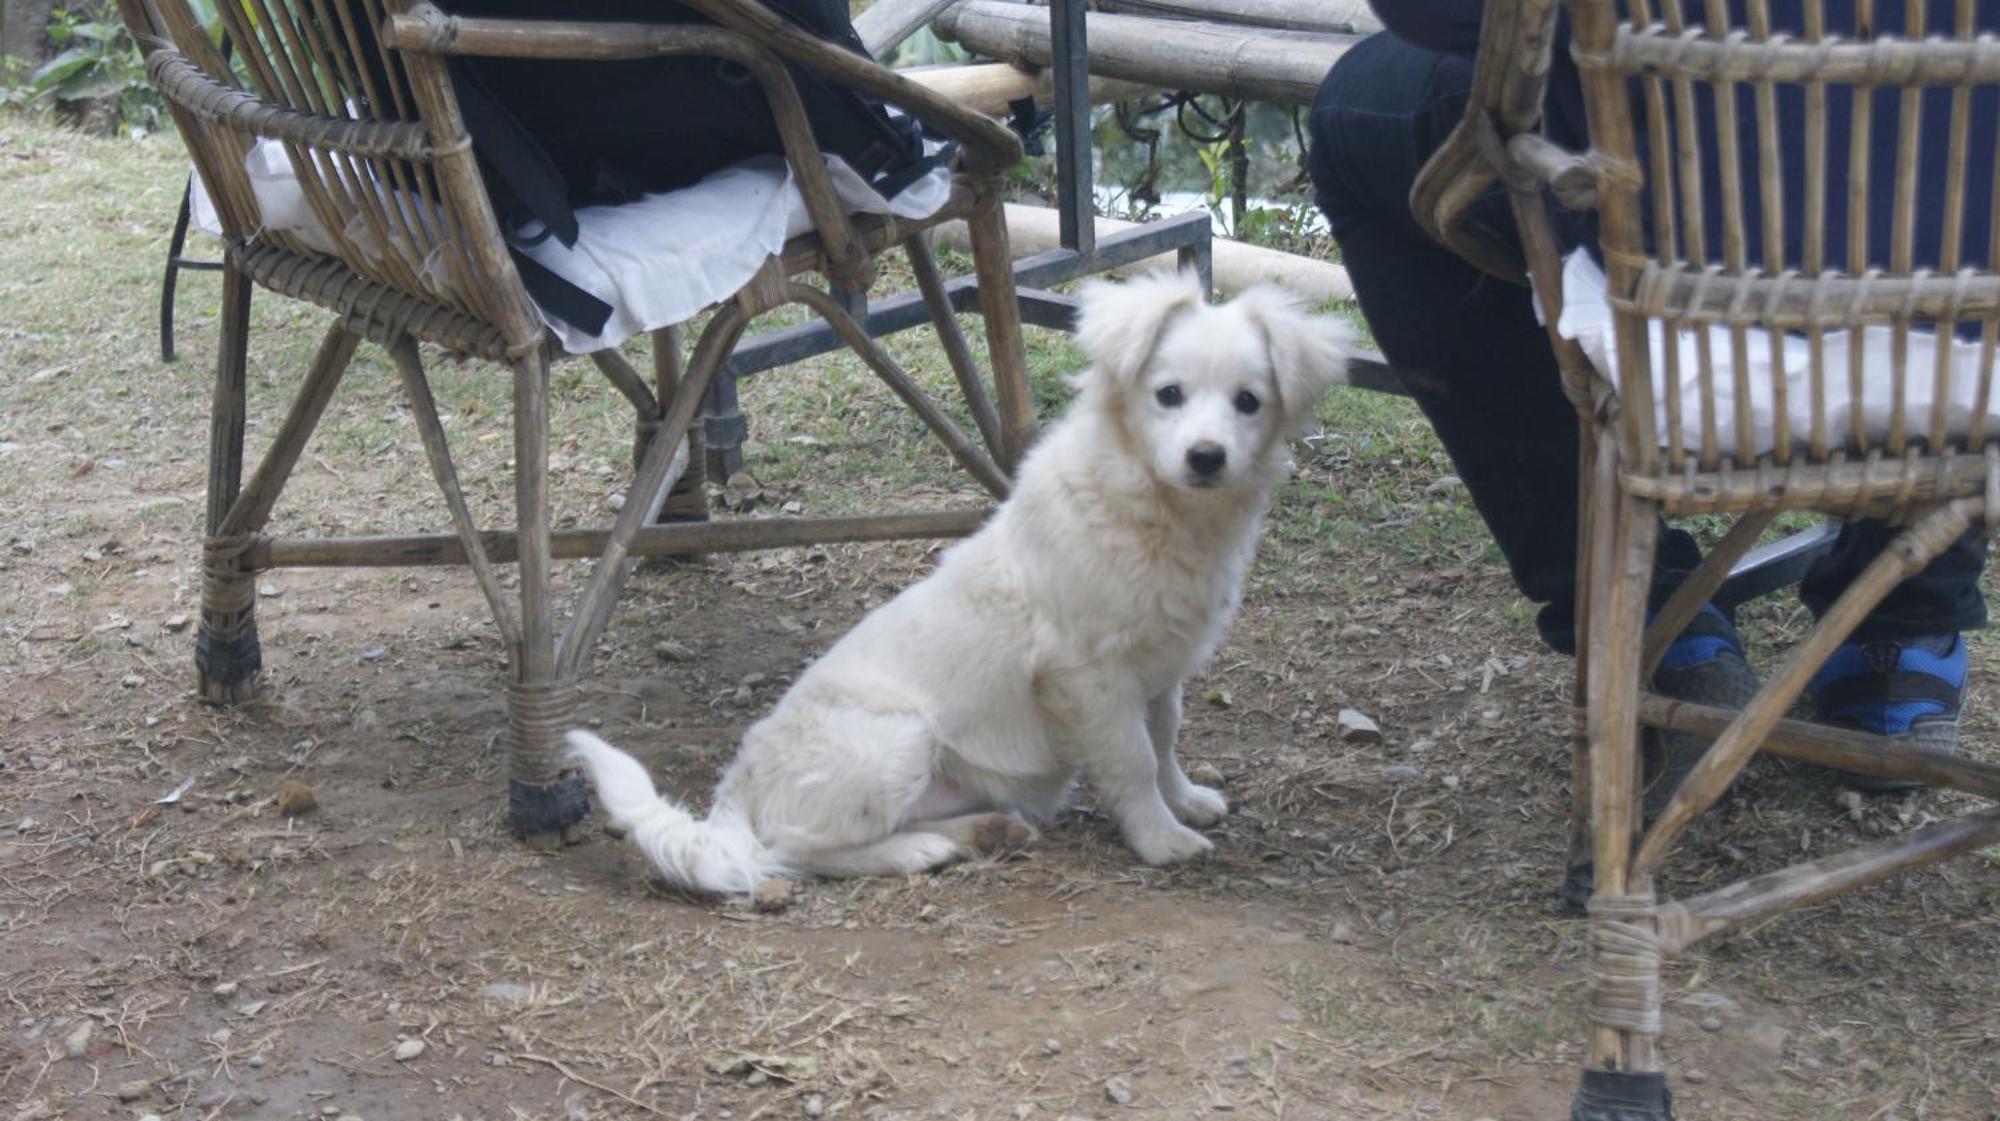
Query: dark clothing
x,y
1484,373
555,135
612,131
1452,27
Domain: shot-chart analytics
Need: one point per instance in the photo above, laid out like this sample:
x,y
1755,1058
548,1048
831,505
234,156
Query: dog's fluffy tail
x,y
719,855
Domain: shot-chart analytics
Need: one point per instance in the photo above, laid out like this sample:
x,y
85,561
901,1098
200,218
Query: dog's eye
x,y
1247,403
1168,395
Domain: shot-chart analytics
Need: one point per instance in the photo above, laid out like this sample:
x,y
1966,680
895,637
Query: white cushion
x,y
1586,318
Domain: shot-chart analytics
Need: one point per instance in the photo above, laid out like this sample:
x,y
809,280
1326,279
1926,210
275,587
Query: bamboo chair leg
x,y
993,265
1574,894
226,655
545,799
666,460
687,499
923,264
1626,949
423,409
975,462
723,428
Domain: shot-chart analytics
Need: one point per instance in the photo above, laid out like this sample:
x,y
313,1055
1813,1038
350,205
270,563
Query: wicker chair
x,y
383,157
1641,63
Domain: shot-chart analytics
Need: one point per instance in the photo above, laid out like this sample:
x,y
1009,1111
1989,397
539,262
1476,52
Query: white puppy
x,y
1050,644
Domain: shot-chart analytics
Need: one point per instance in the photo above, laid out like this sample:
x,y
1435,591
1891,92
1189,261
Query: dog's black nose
x,y
1206,460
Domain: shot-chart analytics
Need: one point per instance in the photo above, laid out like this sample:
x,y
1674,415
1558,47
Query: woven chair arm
x,y
1698,54
1497,141
184,84
985,144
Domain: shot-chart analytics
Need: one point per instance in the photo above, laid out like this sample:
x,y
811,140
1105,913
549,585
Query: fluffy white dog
x,y
1050,644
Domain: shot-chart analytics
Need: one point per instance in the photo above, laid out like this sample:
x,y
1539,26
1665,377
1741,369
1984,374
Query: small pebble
x,y
1206,773
1355,727
225,990
177,622
743,697
1711,1023
1696,1076
752,680
374,654
813,1106
257,1060
409,1049
1052,1046
1401,772
772,895
1117,1092
669,651
134,1090
295,799
77,1042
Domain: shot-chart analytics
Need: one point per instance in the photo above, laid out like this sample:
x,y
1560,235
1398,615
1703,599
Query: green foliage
x,y
924,48
96,70
96,76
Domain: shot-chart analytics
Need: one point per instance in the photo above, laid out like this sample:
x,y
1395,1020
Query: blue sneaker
x,y
1909,689
1705,665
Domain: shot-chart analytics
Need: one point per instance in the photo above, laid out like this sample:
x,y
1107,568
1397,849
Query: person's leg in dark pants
x,y
1941,599
1469,345
1480,364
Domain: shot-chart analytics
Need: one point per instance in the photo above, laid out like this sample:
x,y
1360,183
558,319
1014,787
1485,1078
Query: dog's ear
x,y
1308,352
1119,326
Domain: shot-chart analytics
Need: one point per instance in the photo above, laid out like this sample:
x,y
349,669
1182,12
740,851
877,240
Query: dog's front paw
x,y
1169,845
1200,805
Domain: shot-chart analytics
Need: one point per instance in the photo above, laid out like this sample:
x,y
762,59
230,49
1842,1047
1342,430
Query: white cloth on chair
x,y
657,260
660,259
1586,318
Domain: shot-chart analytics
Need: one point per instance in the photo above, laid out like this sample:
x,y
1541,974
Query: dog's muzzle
x,y
1205,463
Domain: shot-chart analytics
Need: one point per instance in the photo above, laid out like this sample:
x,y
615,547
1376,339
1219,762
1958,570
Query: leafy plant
x,y
96,74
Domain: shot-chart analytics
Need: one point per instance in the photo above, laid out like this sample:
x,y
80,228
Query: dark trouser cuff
x,y
546,809
1616,1095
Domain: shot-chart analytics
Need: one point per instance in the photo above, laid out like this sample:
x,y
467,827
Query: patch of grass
x,y
1327,1005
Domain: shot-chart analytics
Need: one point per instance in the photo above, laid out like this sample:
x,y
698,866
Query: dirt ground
x,y
1375,937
